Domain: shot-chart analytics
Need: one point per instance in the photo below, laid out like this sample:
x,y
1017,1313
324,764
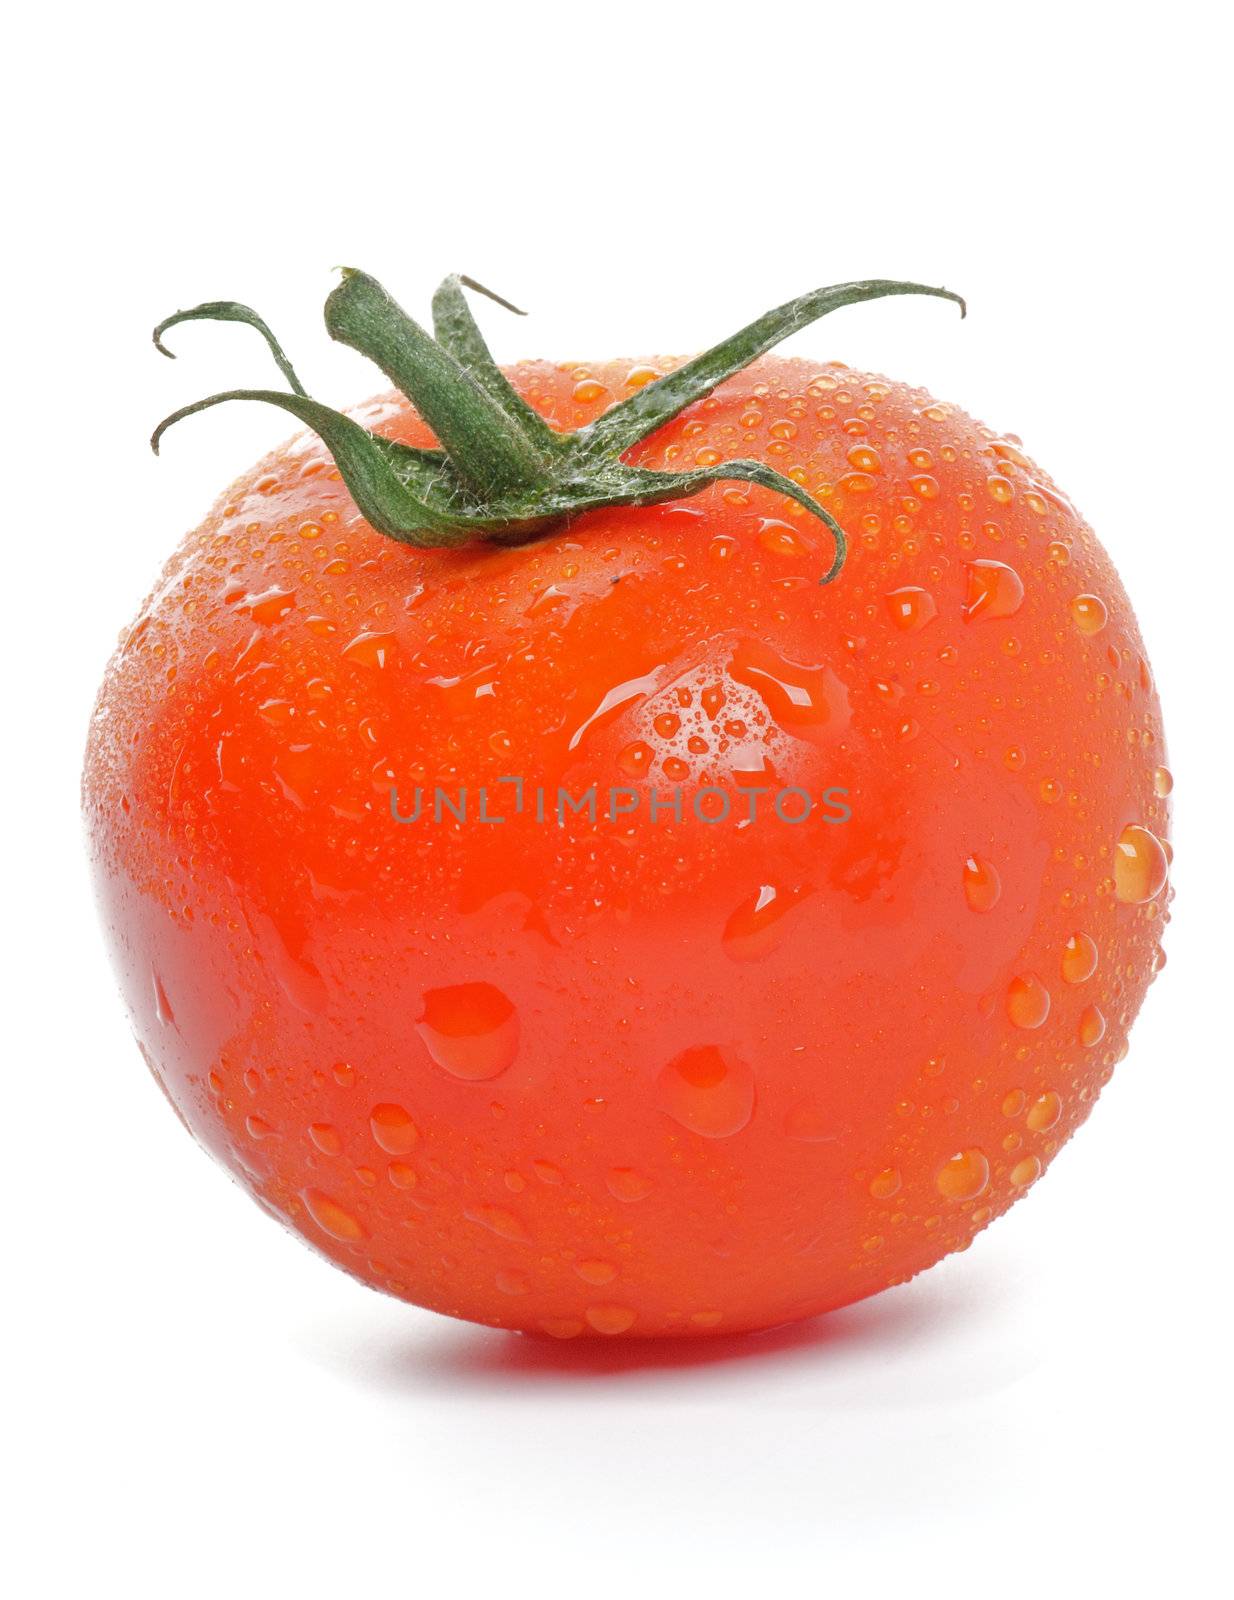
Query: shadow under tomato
x,y
444,1355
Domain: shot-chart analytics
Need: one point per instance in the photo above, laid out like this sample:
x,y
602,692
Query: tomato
x,y
854,892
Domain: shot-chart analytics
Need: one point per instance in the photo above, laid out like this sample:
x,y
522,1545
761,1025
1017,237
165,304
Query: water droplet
x,y
1025,1172
276,712
610,1319
326,1138
994,590
1079,958
588,391
1014,1102
401,1175
805,701
756,928
162,1005
1163,782
257,1128
511,1281
370,649
1028,1001
393,1130
625,1184
330,1216
613,702
1092,1027
503,1223
596,1272
982,885
471,1030
1140,866
911,607
781,540
964,1176
706,1319
707,1090
271,605
561,1327
1089,613
635,759
1044,1111
885,1184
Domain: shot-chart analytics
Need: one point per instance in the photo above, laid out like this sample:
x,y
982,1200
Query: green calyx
x,y
501,473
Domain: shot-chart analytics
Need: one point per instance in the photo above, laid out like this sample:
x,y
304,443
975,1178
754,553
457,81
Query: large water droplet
x,y
911,607
1140,866
993,590
1080,958
615,701
964,1176
756,928
1028,1001
370,649
393,1129
610,1319
982,885
1088,612
561,1327
596,1272
271,605
708,1090
623,1183
805,701
503,1223
330,1216
471,1030
1044,1111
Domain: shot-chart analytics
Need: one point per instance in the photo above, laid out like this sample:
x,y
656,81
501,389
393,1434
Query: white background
x,y
199,1406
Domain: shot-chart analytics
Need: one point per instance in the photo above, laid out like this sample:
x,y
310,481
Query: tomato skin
x,y
636,1077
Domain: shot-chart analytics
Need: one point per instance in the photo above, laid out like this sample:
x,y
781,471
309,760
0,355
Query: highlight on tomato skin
x,y
682,1057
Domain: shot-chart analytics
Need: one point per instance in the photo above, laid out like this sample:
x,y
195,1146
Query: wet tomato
x,y
833,940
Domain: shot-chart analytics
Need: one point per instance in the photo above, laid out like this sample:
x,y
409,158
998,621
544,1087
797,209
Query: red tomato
x,y
789,1040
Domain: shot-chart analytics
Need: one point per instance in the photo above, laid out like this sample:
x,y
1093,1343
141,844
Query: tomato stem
x,y
501,473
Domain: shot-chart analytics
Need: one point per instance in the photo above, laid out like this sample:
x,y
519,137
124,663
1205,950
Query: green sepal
x,y
501,473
